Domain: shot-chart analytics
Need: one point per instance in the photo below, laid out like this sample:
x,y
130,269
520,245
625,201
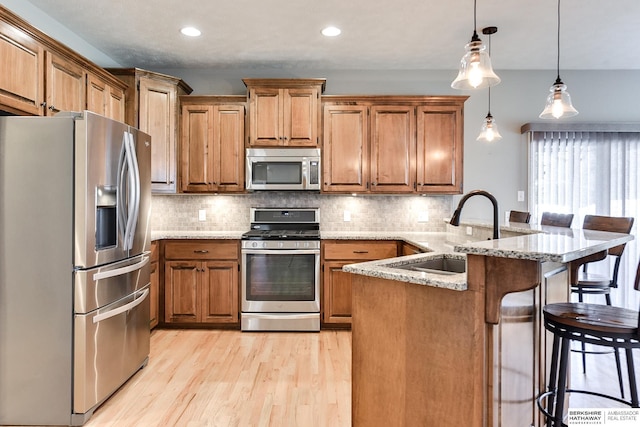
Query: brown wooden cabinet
x,y
201,282
440,148
65,85
154,287
152,105
336,284
22,76
284,111
105,98
40,76
392,144
212,144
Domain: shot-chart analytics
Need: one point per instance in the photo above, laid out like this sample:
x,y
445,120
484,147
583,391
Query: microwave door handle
x,y
112,313
122,270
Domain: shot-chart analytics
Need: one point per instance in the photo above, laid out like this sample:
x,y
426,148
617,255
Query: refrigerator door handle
x,y
112,313
122,270
122,189
135,181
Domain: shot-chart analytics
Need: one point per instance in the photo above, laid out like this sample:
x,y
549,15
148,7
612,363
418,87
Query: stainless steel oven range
x,y
281,270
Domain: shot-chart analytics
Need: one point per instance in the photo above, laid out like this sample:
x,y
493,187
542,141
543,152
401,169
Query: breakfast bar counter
x,y
470,353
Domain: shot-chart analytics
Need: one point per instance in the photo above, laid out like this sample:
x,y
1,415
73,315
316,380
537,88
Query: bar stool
x,y
603,325
518,216
598,284
556,219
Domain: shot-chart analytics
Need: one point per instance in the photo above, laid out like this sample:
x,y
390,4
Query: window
x,y
589,172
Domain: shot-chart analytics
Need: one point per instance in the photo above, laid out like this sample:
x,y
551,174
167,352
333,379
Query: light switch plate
x,y
520,196
423,216
202,215
346,216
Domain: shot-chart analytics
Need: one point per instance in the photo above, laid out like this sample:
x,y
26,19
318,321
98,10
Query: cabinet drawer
x,y
362,249
202,250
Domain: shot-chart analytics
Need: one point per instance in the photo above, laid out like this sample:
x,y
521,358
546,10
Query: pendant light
x,y
559,101
489,131
475,66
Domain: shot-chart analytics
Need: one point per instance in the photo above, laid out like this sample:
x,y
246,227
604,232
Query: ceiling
x,y
376,34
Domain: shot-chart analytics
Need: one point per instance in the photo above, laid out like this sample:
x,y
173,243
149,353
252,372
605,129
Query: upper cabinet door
x,y
265,106
440,149
284,112
196,141
157,117
300,117
346,148
22,76
228,147
65,85
393,148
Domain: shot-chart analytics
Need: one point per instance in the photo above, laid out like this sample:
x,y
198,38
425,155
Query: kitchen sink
x,y
440,265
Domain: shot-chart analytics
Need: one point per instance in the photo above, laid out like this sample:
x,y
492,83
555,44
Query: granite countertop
x,y
532,242
538,243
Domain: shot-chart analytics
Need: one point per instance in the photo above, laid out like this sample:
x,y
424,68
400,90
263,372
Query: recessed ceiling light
x,y
190,31
331,31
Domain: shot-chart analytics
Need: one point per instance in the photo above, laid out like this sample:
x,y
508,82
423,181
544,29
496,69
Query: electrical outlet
x,y
423,216
346,216
202,215
520,196
469,231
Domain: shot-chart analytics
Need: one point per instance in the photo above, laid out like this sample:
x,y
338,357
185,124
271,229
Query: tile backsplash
x,y
367,213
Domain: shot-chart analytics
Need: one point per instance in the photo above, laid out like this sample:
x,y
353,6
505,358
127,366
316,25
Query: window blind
x,y
589,172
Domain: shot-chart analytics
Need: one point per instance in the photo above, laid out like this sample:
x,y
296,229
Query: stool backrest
x,y
518,216
612,224
556,219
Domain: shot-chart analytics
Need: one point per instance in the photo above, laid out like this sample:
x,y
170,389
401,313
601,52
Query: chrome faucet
x,y
455,219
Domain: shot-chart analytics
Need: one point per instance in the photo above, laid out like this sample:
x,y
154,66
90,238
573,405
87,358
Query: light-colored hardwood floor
x,y
229,378
198,378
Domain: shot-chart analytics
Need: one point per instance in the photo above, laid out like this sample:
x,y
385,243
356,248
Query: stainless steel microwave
x,y
283,169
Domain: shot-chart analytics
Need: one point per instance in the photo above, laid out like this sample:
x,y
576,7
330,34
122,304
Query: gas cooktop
x,y
284,224
281,235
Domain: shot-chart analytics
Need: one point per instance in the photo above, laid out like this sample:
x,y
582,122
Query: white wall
x,y
500,168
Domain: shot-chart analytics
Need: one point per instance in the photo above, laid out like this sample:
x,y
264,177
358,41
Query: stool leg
x,y
632,379
582,345
553,376
562,383
616,353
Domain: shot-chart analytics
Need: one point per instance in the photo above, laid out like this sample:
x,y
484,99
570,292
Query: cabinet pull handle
x,y
360,252
201,251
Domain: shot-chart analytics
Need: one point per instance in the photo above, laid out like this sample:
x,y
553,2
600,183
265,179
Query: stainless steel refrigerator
x,y
75,194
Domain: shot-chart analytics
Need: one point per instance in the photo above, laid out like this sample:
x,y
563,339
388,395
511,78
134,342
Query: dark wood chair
x,y
599,284
556,219
518,216
603,325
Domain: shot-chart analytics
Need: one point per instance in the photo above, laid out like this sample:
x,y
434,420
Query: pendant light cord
x,y
558,59
489,106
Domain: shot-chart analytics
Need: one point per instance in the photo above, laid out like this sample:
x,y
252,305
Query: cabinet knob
x,y
52,107
43,104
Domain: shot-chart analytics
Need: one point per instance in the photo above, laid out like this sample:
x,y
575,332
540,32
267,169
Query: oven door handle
x,y
281,251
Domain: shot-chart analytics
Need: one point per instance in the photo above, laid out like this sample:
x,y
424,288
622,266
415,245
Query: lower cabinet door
x,y
181,291
336,299
219,299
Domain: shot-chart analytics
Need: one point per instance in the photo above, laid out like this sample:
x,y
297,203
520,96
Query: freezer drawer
x,y
104,285
110,345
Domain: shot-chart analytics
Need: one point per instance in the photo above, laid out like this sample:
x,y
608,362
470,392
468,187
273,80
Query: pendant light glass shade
x,y
489,131
558,101
475,67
